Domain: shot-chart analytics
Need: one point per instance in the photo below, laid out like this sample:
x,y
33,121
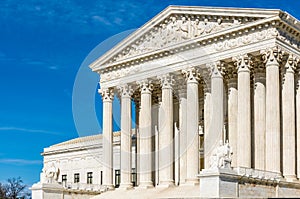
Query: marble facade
x,y
198,76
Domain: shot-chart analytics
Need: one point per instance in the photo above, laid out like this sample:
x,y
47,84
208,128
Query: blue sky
x,y
43,44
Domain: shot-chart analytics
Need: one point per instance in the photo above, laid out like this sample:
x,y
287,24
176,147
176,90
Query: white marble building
x,y
217,73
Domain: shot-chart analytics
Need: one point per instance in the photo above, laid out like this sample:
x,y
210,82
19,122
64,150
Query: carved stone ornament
x,y
125,91
221,156
191,75
107,94
243,62
51,173
146,86
218,69
291,63
166,81
173,30
272,55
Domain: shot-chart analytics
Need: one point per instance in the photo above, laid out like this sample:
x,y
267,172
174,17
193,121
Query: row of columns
x,y
266,114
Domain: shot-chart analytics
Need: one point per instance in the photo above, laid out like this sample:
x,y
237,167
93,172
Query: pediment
x,y
178,24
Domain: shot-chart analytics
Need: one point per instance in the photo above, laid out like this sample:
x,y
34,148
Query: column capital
x,y
217,69
191,75
291,64
146,86
272,55
125,91
107,94
166,81
243,62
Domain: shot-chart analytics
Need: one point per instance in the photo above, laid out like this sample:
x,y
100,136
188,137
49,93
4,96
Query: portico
x,y
231,72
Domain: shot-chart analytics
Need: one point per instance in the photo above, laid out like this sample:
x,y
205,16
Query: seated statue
x,y
221,156
51,173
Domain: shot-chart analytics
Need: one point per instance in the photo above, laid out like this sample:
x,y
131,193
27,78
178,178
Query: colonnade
x,y
262,110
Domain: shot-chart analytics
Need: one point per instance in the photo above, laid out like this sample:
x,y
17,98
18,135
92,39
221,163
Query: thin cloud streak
x,y
11,128
20,161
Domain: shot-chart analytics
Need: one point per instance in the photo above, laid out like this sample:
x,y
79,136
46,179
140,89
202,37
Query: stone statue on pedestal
x,y
51,174
221,157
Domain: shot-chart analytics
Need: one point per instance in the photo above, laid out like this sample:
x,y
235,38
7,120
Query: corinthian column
x,y
107,137
182,135
207,119
145,135
166,156
215,134
271,58
232,115
288,120
244,112
259,119
298,124
126,92
192,126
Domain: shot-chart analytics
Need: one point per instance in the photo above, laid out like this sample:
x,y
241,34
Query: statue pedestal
x,y
218,182
47,191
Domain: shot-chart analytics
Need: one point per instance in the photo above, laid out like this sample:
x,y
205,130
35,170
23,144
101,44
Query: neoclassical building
x,y
202,78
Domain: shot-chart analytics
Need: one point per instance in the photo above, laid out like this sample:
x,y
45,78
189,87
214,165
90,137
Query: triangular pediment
x,y
178,24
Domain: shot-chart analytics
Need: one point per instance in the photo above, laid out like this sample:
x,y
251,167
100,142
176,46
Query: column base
x,y
109,187
290,178
191,182
166,184
126,186
145,185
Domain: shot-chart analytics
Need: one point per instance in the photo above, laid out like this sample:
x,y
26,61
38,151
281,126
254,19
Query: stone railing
x,y
84,187
258,174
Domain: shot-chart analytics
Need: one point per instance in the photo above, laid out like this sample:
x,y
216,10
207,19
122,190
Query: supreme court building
x,y
202,78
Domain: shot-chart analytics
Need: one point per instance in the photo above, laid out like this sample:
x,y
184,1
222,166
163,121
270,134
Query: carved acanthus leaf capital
x,y
217,69
107,94
146,86
291,63
166,81
191,75
125,91
243,62
272,55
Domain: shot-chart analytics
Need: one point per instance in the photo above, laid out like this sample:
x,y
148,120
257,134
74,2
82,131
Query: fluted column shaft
x,y
298,125
126,157
166,144
244,112
288,120
207,121
192,127
107,137
216,133
272,111
145,135
182,135
259,121
232,118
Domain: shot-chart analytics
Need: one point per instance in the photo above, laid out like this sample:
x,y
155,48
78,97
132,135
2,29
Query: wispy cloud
x,y
20,161
28,130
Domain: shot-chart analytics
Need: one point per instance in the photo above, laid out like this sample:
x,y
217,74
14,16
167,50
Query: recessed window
x,y
64,180
90,177
76,178
133,176
101,177
117,178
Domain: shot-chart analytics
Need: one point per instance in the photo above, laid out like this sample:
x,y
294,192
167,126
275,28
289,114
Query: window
x,y
101,177
76,178
117,178
64,180
90,178
133,176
